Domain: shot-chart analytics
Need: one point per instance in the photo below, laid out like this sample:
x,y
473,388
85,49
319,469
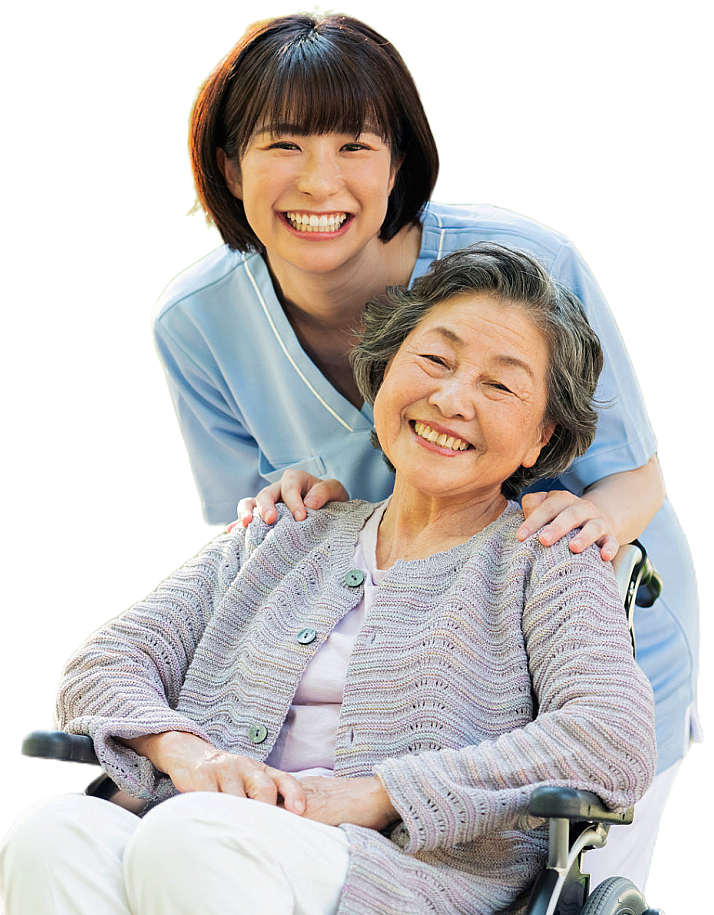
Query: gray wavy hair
x,y
514,278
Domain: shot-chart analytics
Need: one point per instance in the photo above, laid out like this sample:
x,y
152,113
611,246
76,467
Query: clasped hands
x,y
192,764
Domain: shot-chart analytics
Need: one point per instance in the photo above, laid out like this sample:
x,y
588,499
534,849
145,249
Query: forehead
x,y
469,315
483,325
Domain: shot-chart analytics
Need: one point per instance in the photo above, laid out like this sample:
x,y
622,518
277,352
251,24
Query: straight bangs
x,y
313,87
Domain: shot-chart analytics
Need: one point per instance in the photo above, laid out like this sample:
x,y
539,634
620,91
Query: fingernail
x,y
300,807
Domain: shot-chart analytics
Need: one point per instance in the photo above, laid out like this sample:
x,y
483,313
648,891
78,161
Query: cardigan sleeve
x,y
125,680
594,728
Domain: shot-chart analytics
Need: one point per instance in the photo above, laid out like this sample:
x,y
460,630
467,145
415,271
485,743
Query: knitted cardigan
x,y
479,673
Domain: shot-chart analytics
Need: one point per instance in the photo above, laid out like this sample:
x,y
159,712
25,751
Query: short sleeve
x,y
624,439
224,456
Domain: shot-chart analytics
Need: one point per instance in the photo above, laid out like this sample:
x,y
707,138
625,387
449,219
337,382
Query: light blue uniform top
x,y
251,404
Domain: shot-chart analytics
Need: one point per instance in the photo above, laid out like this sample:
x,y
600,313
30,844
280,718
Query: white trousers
x,y
210,853
218,854
629,849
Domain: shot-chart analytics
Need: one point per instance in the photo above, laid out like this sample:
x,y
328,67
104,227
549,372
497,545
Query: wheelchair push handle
x,y
650,586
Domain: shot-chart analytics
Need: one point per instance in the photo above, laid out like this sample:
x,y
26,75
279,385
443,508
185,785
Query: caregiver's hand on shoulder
x,y
335,800
559,512
297,489
192,764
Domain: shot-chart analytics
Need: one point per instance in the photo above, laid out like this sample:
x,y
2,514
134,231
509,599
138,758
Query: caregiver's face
x,y
462,402
315,201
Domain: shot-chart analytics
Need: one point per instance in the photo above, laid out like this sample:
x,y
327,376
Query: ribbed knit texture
x,y
480,673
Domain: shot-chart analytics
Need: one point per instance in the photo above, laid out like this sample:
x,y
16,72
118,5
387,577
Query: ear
x,y
231,174
547,429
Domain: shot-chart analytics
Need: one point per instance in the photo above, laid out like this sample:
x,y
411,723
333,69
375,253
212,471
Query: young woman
x,y
313,156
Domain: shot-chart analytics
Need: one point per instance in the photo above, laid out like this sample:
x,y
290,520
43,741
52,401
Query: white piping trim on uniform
x,y
442,234
285,350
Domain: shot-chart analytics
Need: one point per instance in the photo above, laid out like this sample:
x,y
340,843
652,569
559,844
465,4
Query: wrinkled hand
x,y
362,801
297,489
562,512
193,764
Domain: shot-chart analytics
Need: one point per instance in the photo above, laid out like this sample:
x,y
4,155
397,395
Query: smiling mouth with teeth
x,y
311,222
439,438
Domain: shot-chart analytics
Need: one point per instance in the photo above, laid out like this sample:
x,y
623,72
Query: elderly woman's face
x,y
462,402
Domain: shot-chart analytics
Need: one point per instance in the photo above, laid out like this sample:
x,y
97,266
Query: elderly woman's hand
x,y
192,764
361,801
296,489
559,512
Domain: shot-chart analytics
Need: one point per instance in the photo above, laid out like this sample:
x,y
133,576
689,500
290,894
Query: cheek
x,y
389,404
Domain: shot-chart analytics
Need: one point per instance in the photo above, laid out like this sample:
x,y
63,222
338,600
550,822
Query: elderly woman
x,y
407,671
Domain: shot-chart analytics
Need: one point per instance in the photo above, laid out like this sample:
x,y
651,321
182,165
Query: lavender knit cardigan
x,y
480,673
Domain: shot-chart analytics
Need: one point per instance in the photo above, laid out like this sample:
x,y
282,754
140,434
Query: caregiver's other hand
x,y
192,764
559,512
297,489
362,801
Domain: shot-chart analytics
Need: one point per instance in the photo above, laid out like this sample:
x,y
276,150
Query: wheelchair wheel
x,y
615,896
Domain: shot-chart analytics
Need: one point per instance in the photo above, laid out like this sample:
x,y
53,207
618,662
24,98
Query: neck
x,y
337,297
415,526
325,309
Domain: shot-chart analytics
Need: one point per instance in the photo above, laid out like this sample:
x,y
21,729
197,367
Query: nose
x,y
454,398
320,173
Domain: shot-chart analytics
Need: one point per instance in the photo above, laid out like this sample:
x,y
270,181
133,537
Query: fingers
x,y
324,491
591,533
292,488
295,484
245,513
557,513
541,508
290,790
259,786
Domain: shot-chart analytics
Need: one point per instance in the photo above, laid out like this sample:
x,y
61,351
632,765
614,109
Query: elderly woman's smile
x,y
463,400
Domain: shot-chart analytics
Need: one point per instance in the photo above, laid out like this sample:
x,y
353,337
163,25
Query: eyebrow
x,y
501,359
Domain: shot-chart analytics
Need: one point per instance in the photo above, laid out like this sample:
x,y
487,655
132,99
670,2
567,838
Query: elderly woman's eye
x,y
499,386
437,360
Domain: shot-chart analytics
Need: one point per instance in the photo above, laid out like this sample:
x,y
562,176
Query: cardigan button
x,y
354,578
400,835
305,636
258,733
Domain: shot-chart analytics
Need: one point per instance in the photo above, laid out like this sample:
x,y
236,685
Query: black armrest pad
x,y
570,804
60,745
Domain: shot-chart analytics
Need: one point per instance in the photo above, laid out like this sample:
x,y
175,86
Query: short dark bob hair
x,y
320,74
513,278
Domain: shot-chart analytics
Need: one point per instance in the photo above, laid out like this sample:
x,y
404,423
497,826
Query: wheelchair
x,y
578,820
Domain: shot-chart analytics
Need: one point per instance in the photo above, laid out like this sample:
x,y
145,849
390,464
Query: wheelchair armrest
x,y
60,745
571,804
